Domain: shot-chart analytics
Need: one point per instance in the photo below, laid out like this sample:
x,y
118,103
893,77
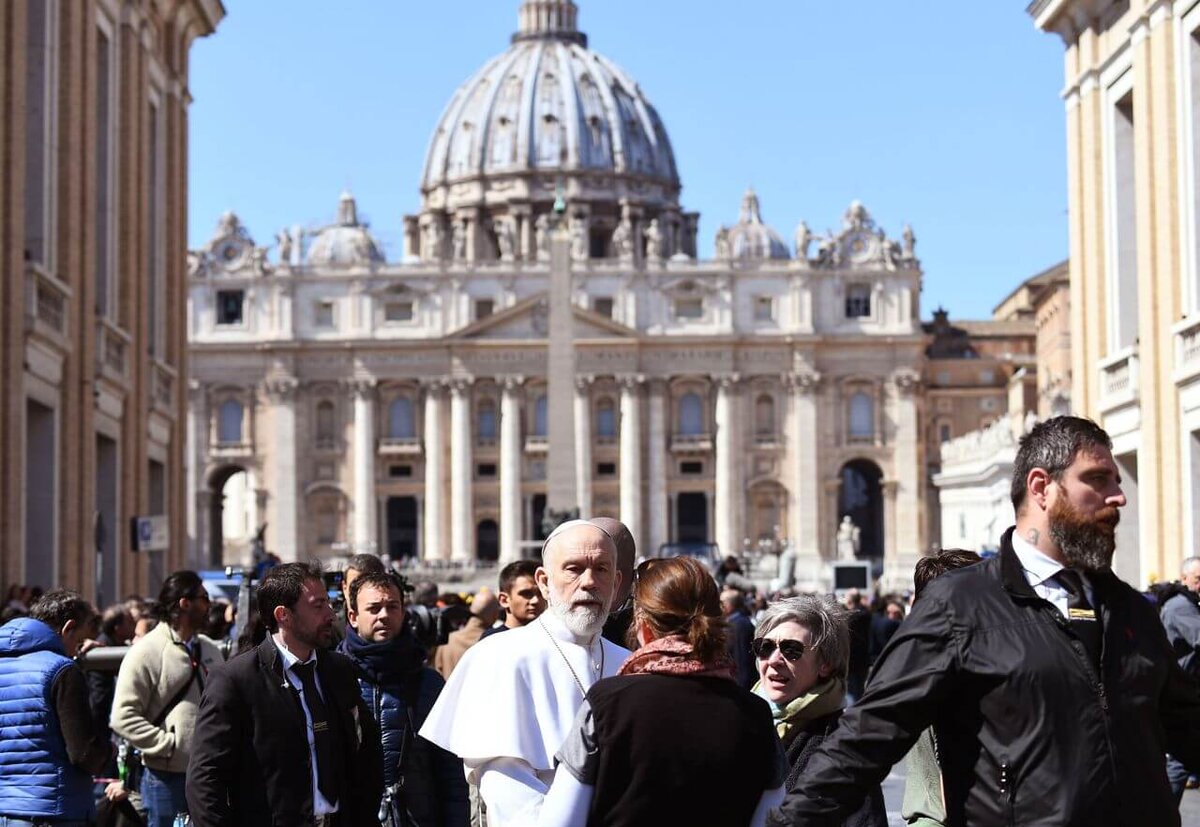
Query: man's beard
x,y
1086,544
585,620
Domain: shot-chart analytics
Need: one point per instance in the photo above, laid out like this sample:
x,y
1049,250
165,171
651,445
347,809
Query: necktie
x,y
322,735
1083,617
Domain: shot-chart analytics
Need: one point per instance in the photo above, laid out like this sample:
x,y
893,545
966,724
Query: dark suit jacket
x,y
250,762
741,635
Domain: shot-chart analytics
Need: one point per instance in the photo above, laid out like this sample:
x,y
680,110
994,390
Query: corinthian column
x,y
631,455
461,473
729,496
901,555
281,393
657,467
433,547
365,528
806,484
583,444
510,470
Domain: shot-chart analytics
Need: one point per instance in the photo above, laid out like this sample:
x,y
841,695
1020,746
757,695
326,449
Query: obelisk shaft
x,y
561,497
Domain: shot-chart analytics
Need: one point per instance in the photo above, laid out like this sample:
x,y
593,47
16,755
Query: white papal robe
x,y
508,707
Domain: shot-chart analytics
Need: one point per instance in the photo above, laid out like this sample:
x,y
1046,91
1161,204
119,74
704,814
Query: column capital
x,y
907,382
281,388
727,381
511,383
459,385
583,381
631,381
361,387
432,384
807,384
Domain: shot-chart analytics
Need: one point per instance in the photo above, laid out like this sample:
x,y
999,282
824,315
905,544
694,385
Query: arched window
x,y
691,415
485,427
764,416
862,416
325,422
400,419
606,419
229,422
540,416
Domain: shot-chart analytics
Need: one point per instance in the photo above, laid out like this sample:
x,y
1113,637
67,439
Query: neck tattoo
x,y
596,665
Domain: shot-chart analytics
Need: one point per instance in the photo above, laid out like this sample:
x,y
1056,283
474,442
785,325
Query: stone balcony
x,y
400,446
112,352
162,387
1187,350
1119,385
691,443
536,444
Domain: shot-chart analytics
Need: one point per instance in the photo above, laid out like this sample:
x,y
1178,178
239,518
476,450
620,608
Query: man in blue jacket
x,y
49,743
400,689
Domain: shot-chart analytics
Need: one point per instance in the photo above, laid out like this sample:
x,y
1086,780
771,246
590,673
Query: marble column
x,y
631,456
729,495
434,523
197,494
583,444
365,530
656,466
510,470
462,507
283,538
806,482
908,542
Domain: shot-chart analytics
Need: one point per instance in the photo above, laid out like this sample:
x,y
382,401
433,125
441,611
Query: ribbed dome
x,y
751,237
346,243
547,104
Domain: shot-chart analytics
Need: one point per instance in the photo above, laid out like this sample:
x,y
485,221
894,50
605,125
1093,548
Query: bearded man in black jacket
x,y
1049,682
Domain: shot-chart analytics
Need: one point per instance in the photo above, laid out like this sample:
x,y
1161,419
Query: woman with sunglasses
x,y
672,739
802,647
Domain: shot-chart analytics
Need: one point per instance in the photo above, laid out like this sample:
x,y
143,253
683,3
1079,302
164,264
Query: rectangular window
x,y
603,306
325,315
691,468
1123,294
484,308
400,472
41,495
39,131
689,308
104,175
944,432
858,301
108,488
230,307
606,469
485,470
395,312
764,309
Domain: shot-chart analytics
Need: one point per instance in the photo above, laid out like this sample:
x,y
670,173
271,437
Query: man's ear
x,y
68,627
542,578
280,613
503,598
1037,484
352,614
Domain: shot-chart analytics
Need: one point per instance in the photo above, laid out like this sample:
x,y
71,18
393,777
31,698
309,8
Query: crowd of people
x,y
589,688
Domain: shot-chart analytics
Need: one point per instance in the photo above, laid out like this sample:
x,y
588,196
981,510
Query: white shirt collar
x,y
1038,566
289,658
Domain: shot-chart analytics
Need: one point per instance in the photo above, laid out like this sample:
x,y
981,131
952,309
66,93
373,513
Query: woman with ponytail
x,y
672,739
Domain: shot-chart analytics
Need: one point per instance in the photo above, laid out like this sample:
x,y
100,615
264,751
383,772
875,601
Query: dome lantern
x,y
555,19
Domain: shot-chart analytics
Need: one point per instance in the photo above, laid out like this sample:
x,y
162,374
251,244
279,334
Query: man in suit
x,y
283,736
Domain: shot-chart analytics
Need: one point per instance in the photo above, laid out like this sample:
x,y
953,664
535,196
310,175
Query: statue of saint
x,y
849,539
654,241
460,240
579,240
721,243
504,239
542,232
804,238
622,240
910,243
285,246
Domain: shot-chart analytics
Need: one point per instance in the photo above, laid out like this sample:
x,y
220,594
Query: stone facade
x,y
1133,175
93,195
353,403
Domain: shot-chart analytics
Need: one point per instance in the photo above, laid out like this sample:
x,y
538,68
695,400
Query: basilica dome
x,y
346,242
751,237
549,104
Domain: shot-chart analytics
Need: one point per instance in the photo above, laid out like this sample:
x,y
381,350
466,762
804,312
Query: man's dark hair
x,y
282,585
380,580
55,608
941,562
366,564
113,617
1052,446
176,587
513,571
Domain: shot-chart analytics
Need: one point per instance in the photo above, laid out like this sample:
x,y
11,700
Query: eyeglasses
x,y
763,648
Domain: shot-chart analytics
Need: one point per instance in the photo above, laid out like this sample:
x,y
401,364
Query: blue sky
x,y
941,113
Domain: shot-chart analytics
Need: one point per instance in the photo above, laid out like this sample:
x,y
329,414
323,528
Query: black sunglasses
x,y
763,648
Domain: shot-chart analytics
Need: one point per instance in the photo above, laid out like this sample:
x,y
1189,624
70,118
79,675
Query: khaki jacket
x,y
153,671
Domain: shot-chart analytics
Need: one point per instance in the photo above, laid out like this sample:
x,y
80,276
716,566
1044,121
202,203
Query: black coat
x,y
1027,732
250,760
803,745
741,635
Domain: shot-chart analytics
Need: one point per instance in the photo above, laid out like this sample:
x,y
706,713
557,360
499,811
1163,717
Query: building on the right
x,y
1132,97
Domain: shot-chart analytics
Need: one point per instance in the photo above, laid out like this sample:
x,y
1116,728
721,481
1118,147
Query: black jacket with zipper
x,y
1028,733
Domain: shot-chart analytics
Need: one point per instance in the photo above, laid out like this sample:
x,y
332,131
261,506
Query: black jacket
x,y
801,747
741,635
1027,732
250,760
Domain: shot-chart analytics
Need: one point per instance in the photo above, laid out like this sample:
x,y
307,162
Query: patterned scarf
x,y
824,698
672,655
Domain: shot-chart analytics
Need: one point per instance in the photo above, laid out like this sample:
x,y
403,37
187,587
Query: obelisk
x,y
562,501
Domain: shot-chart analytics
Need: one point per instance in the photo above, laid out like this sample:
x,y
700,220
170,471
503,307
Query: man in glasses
x,y
511,701
158,694
1049,683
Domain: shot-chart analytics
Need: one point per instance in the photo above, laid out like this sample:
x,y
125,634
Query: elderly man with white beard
x,y
513,698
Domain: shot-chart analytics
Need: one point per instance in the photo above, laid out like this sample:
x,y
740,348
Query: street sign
x,y
150,533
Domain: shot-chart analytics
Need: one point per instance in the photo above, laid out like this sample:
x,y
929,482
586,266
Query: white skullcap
x,y
563,528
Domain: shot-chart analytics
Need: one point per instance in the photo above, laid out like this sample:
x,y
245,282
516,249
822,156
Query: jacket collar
x,y
1012,574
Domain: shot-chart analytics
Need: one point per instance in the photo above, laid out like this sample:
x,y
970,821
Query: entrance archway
x,y
487,541
861,497
233,515
401,527
691,517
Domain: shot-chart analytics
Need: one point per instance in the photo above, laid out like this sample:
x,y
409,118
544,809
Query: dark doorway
x,y
861,497
107,520
537,510
487,541
401,527
691,518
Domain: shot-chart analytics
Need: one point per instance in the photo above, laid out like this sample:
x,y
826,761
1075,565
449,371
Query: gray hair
x,y
826,620
1188,563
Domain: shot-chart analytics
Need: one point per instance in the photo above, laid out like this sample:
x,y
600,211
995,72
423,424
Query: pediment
x,y
530,319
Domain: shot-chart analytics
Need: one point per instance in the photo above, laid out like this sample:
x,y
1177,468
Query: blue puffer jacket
x,y
37,778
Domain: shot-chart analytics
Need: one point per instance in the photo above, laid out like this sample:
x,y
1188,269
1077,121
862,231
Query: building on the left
x,y
93,214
